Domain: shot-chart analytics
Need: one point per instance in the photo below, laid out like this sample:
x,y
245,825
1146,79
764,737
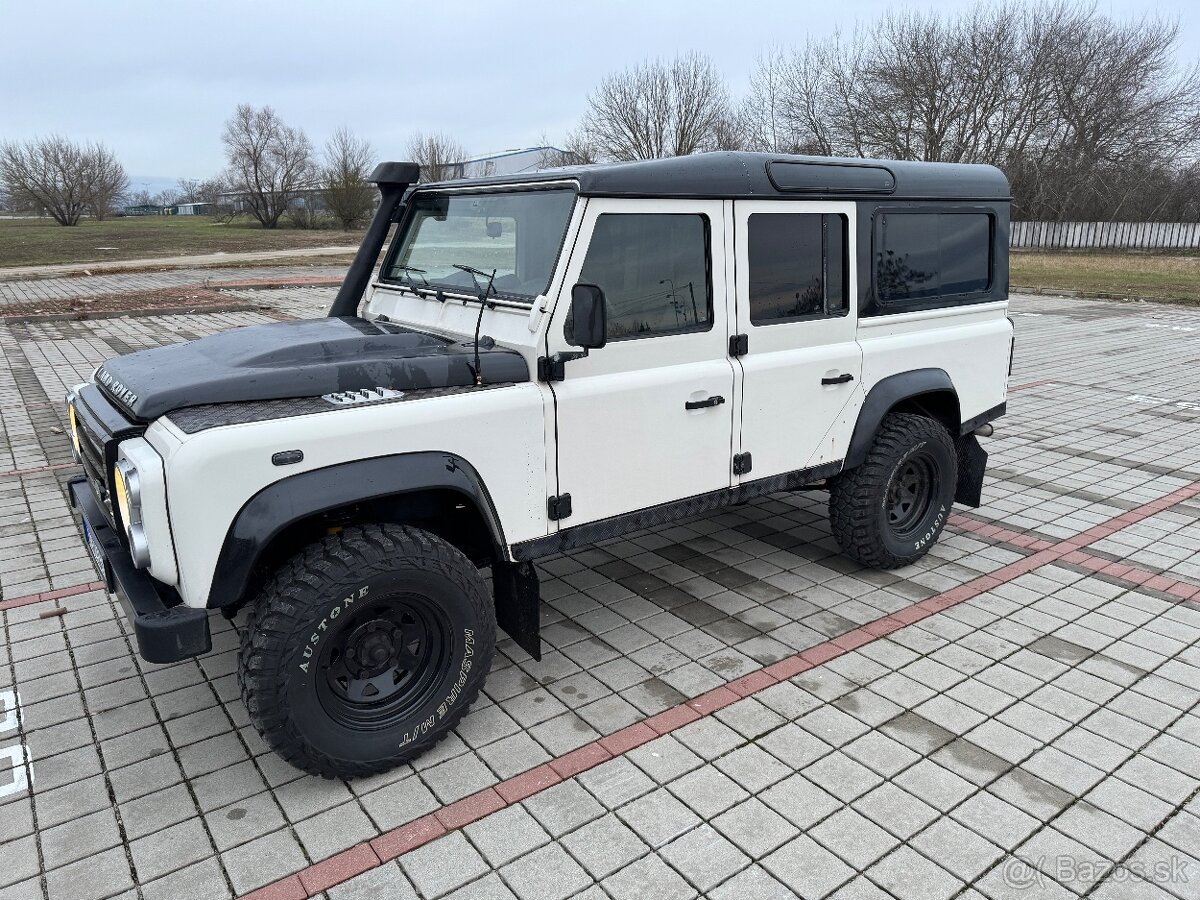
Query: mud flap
x,y
972,461
518,604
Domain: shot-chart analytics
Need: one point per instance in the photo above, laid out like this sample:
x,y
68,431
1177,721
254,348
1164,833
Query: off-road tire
x,y
859,498
309,606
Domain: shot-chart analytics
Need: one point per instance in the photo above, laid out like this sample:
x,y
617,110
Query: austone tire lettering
x,y
366,649
306,655
888,511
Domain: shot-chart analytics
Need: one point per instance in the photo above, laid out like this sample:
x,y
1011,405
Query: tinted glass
x,y
518,234
797,265
653,269
929,255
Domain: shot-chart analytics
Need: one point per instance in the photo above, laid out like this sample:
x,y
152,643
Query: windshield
x,y
518,234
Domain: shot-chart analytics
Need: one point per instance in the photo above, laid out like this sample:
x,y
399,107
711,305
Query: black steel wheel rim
x,y
382,663
910,494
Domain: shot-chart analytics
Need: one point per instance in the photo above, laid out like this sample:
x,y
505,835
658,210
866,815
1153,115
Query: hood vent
x,y
366,395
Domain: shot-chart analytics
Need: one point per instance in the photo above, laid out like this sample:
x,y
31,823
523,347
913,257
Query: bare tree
x,y
552,157
62,178
659,108
197,190
438,154
1081,111
348,194
269,162
579,151
106,179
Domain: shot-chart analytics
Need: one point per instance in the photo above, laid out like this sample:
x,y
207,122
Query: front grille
x,y
101,428
93,463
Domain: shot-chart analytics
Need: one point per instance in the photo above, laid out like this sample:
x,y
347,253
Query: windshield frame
x,y
418,288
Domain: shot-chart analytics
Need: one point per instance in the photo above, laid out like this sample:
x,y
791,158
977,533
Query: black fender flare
x,y
288,500
884,395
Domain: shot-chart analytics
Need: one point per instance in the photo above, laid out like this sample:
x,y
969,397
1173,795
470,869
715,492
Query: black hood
x,y
297,359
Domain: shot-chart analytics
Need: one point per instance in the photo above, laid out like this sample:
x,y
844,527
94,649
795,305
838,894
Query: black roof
x,y
743,175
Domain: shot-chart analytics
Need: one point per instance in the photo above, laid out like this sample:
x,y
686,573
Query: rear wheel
x,y
888,512
366,649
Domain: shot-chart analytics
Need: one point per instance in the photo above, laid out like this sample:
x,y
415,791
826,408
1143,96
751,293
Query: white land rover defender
x,y
542,361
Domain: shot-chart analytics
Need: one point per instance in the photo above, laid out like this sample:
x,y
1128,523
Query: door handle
x,y
714,400
841,379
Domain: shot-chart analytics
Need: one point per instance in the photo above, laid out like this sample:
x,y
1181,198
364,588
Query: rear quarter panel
x,y
971,343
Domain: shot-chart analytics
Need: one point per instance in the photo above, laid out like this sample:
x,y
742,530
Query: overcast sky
x,y
156,80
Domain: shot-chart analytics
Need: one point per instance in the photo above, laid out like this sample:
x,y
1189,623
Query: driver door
x,y
648,418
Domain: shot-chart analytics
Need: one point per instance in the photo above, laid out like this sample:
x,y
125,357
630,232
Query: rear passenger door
x,y
801,372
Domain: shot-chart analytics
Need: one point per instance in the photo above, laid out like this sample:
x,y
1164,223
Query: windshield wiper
x,y
408,270
483,304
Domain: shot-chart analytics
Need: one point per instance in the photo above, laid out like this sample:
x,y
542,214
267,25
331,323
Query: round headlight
x,y
75,445
127,490
121,493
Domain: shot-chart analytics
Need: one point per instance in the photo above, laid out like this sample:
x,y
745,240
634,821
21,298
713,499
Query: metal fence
x,y
1105,235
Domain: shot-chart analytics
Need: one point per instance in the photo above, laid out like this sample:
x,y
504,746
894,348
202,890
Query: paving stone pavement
x,y
26,291
726,707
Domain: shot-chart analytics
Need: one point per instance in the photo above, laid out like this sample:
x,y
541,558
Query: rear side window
x,y
929,255
797,266
654,271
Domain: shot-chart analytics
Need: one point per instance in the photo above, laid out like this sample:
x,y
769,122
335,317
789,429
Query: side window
x,y
797,266
654,271
923,256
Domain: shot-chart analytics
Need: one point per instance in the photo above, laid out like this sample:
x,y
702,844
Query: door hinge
x,y
550,369
742,463
739,344
553,368
559,507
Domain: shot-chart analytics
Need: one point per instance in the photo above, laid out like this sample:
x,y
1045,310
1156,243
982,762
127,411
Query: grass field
x,y
35,242
1134,275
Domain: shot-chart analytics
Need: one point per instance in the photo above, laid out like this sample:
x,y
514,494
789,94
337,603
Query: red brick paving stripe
x,y
789,667
884,626
517,788
586,757
408,837
628,738
998,533
821,653
470,809
338,868
36,470
910,614
673,718
852,640
1183,590
752,683
717,698
1030,384
1133,516
1132,575
512,790
52,595
296,281
290,888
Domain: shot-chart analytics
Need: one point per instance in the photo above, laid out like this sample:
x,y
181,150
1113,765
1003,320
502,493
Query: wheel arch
x,y
927,392
437,491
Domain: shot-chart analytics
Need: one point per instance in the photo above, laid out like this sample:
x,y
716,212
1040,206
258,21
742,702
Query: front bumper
x,y
165,633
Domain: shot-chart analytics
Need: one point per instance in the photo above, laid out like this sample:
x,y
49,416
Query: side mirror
x,y
589,317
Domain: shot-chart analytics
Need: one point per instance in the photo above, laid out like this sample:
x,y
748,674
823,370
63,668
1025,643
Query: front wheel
x,y
366,649
888,511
